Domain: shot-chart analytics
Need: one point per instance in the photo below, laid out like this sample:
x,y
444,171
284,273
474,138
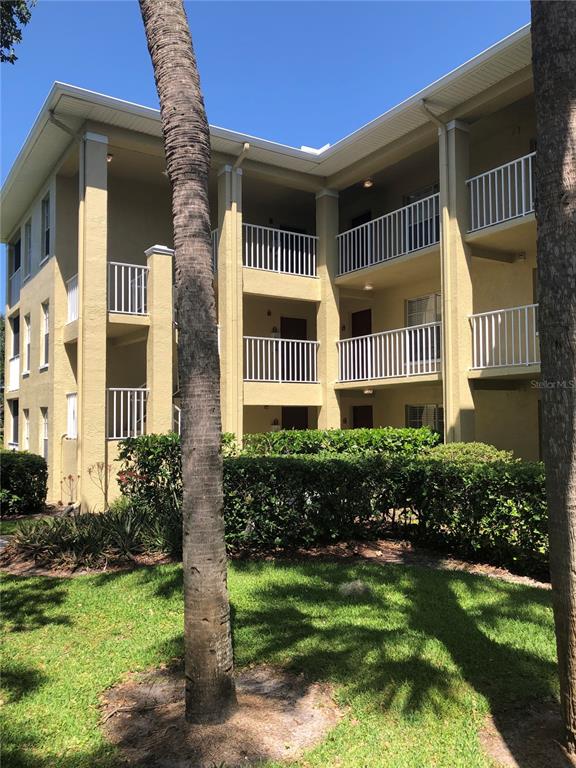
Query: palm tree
x,y
554,64
210,692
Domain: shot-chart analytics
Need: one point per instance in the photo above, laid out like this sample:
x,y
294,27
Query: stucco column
x,y
159,346
328,315
92,318
456,267
230,318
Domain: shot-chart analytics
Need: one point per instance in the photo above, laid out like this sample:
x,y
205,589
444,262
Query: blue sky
x,y
295,72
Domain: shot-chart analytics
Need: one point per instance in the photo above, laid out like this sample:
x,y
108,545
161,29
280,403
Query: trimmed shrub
x,y
469,452
491,510
385,440
23,483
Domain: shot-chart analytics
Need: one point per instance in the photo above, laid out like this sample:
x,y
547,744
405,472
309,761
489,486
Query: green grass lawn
x,y
419,663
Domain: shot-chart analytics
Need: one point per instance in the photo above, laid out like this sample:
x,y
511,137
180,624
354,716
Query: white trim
x,y
161,249
100,138
327,193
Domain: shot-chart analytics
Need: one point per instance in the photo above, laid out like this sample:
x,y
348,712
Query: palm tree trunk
x,y
210,693
554,64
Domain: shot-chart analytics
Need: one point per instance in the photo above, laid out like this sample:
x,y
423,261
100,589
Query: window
x,y
26,435
44,432
426,416
72,420
45,341
15,324
420,194
16,255
45,252
14,437
423,310
26,368
27,248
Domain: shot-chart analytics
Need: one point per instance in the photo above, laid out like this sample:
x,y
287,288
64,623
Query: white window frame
x,y
434,418
46,235
44,433
27,342
27,257
434,299
72,415
14,406
26,429
45,340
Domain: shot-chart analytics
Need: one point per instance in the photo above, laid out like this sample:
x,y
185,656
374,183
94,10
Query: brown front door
x,y
362,322
362,416
294,417
294,329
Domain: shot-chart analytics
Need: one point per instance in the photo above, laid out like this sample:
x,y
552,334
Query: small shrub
x,y
469,452
23,480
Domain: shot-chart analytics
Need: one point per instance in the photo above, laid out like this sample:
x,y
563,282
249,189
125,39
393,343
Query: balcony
x,y
409,229
72,294
277,250
14,284
405,352
280,360
274,250
127,288
126,412
502,194
13,373
505,338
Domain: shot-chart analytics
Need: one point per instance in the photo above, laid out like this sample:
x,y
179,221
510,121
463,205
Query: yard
x,y
418,664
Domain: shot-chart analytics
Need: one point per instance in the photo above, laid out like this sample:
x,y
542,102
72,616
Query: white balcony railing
x,y
408,229
281,360
505,337
13,373
127,288
72,292
502,193
14,284
403,352
126,412
278,250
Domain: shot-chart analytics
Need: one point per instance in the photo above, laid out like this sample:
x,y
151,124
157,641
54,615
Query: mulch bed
x,y
526,738
381,551
279,716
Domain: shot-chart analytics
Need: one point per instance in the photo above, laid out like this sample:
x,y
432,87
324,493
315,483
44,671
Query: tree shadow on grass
x,y
399,663
30,604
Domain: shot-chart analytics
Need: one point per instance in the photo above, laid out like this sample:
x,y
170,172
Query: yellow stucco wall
x,y
509,419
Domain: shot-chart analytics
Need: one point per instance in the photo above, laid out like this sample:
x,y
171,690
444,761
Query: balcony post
x,y
457,296
230,318
160,342
328,313
92,314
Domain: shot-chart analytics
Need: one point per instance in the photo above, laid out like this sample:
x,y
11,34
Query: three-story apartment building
x,y
389,279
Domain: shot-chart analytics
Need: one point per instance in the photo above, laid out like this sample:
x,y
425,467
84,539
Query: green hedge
x,y
23,483
472,502
388,440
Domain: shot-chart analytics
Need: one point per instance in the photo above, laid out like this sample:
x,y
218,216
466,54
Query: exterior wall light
x,y
368,183
109,158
